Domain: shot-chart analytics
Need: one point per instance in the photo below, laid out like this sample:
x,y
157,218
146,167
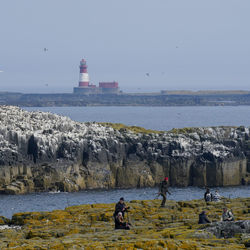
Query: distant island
x,y
163,98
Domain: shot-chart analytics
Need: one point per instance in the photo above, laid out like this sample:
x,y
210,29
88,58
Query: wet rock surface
x,y
43,151
92,227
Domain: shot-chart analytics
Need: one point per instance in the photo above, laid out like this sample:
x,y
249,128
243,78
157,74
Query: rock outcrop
x,y
92,227
228,229
43,151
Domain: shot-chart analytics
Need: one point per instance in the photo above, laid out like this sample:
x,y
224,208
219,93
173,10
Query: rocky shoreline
x,y
92,227
43,151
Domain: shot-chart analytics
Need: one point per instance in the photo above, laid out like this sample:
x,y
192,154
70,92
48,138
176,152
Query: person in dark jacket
x,y
208,195
163,190
203,218
120,207
119,222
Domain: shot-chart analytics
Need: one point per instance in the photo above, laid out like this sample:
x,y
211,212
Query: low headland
x,y
92,227
42,152
163,98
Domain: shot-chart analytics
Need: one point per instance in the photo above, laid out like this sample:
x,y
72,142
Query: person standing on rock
x,y
163,190
208,195
120,207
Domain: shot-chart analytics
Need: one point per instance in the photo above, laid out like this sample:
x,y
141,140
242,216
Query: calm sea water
x,y
158,118
11,204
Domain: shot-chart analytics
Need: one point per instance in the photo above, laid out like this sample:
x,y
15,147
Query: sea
x,y
49,201
156,118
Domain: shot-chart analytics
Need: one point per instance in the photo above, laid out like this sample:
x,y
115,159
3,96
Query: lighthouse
x,y
84,76
85,87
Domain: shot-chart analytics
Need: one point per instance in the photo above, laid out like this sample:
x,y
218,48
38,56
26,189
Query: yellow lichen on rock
x,y
92,227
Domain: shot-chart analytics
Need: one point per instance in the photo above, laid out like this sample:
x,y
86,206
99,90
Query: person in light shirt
x,y
216,196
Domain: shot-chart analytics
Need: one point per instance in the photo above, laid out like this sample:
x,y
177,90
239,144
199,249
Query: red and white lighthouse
x,y
86,88
84,76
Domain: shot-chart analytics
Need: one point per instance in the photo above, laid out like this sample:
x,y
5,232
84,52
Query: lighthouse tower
x,y
84,76
85,87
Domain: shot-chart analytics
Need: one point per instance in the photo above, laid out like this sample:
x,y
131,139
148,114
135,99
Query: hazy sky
x,y
183,44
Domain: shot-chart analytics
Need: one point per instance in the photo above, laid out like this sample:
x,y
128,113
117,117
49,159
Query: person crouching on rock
x,y
119,222
216,196
163,189
227,215
203,218
120,207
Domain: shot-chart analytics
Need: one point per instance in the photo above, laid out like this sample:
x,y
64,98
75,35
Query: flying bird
x,y
45,49
147,74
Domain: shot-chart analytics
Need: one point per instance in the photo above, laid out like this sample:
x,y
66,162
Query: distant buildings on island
x,y
85,87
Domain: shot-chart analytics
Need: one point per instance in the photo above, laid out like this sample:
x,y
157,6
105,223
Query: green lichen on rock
x,y
183,130
92,227
200,130
134,129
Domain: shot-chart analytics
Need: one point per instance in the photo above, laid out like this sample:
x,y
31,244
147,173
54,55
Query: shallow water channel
x,y
11,204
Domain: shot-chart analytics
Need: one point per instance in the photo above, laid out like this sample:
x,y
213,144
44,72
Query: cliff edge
x,y
43,151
